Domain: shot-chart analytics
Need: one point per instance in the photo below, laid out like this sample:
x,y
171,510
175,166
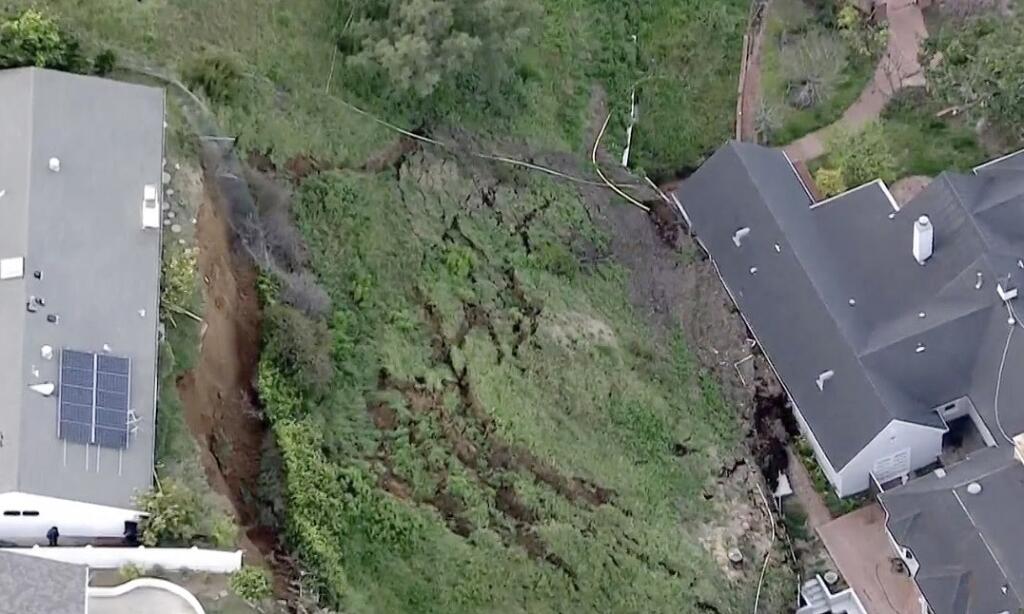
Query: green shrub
x,y
251,584
173,515
863,155
216,75
104,62
35,39
129,572
300,347
830,181
178,277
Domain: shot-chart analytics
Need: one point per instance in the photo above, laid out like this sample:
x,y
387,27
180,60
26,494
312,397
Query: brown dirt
x,y
221,406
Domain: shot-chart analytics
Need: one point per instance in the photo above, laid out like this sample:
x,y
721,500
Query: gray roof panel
x,y
81,228
33,585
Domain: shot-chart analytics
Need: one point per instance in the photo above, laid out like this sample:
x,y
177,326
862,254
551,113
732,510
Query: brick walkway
x,y
800,481
897,69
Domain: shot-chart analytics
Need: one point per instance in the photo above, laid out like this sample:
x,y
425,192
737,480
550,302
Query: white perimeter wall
x,y
175,559
78,523
923,443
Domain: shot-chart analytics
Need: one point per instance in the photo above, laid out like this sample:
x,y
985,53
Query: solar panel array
x,y
94,398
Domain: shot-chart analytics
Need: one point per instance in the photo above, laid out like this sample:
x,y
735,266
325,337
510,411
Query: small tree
x,y
420,44
178,278
173,514
251,584
830,181
812,66
34,39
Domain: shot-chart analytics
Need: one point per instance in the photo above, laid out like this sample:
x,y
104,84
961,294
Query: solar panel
x,y
94,392
75,432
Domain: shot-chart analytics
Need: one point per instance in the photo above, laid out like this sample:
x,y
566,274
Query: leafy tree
x,y
34,39
173,514
865,38
981,66
862,156
830,181
420,44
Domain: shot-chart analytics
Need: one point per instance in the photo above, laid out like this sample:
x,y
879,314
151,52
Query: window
x,y
12,513
30,513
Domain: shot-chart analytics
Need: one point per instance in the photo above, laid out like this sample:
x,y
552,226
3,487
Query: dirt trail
x,y
752,81
898,68
220,404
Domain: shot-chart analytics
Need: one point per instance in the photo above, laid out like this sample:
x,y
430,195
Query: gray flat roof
x,y
834,287
81,229
32,585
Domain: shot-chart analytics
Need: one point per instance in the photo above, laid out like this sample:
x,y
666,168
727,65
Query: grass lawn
x,y
925,144
788,20
501,431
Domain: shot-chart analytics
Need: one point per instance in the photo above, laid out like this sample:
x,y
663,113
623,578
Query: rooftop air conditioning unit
x,y
150,207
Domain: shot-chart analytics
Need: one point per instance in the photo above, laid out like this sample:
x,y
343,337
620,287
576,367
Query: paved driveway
x,y
861,550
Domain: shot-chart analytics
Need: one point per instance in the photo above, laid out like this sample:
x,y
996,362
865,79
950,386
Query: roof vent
x,y
940,472
824,377
974,488
55,165
46,389
46,352
919,348
1018,447
778,249
1007,293
923,236
738,236
980,281
753,270
852,302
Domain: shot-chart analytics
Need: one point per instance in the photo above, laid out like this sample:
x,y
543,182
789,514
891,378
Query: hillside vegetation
x,y
474,417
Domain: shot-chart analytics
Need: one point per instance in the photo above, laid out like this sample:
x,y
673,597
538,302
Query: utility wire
x,y
597,167
999,376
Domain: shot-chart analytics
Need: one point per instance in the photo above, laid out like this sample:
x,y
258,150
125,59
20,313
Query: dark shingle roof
x,y
969,546
32,585
857,247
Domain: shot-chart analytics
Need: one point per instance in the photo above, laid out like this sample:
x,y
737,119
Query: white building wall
x,y
819,454
921,444
25,519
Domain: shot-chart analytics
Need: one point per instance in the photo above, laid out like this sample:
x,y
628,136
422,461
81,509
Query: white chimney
x,y
923,238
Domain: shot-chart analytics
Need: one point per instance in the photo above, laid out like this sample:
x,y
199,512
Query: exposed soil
x,y
221,406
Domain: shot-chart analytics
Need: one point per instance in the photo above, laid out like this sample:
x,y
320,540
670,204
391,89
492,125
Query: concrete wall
x,y
174,559
78,523
923,444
